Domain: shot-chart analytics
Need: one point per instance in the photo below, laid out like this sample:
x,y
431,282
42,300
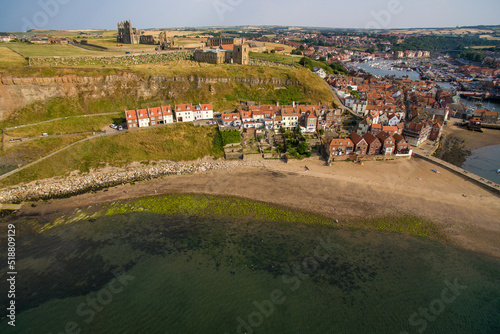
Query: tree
x,y
303,148
273,51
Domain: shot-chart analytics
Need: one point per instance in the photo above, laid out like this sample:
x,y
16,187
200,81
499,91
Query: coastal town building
x,y
486,116
402,147
231,119
184,113
290,118
363,126
203,111
131,119
168,117
339,147
143,118
357,105
373,142
416,132
148,117
387,141
6,37
360,144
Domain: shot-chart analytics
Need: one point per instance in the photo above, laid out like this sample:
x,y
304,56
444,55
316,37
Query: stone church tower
x,y
127,34
240,54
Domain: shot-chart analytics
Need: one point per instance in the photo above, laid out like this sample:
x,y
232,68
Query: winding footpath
x,y
3,176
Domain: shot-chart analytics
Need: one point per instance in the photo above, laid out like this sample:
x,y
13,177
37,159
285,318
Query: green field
x,y
40,50
276,58
32,150
10,58
65,107
178,142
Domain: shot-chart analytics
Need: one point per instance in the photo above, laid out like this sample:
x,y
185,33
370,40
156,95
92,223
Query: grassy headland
x,y
276,57
178,142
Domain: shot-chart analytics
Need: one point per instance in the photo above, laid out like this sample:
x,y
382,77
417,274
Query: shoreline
x,y
465,214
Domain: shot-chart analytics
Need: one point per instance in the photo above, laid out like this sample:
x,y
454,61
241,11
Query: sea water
x,y
484,162
150,273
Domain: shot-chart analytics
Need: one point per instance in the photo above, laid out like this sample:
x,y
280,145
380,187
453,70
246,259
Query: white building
x,y
184,113
232,119
357,105
203,111
319,72
143,118
168,118
289,118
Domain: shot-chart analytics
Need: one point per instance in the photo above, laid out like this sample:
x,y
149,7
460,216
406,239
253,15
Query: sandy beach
x,y
466,214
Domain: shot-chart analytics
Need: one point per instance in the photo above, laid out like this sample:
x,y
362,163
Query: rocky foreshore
x,y
101,179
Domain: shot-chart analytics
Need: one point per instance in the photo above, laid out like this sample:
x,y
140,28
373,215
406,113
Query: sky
x,y
21,15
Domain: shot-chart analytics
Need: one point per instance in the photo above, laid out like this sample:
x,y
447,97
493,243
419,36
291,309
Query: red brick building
x,y
373,142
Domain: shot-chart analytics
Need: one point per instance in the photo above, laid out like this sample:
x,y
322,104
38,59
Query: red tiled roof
x,y
142,113
289,112
390,128
206,106
130,114
166,110
184,107
154,112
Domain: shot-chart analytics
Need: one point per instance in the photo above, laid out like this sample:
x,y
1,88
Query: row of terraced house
x,y
275,117
148,117
371,143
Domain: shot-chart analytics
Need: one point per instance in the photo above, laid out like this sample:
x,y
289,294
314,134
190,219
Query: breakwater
x,y
102,179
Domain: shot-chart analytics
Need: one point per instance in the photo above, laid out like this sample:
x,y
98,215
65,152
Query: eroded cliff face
x,y
18,92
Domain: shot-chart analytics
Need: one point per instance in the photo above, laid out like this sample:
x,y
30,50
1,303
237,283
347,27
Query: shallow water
x,y
150,273
485,162
387,71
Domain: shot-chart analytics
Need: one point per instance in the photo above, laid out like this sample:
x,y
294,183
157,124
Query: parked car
x,y
113,126
120,128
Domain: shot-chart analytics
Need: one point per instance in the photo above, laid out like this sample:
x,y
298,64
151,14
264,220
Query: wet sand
x,y
466,214
473,140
